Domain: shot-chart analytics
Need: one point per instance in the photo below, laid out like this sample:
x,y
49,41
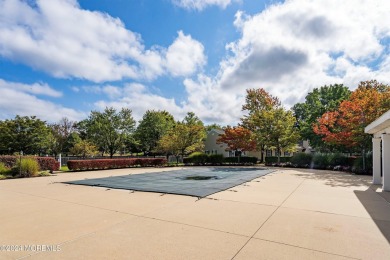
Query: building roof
x,y
378,125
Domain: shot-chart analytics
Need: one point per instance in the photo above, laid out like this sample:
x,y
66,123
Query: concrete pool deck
x,y
288,214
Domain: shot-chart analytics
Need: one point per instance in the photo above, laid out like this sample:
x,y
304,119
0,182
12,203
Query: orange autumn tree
x,y
238,139
345,126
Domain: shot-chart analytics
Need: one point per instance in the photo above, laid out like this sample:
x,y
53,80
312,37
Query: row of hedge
x,y
330,161
101,164
198,158
45,163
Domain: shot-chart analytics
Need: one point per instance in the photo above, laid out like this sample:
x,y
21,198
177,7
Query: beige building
x,y
211,147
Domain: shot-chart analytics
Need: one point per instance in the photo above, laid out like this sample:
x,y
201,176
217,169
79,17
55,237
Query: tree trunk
x,y
278,155
262,154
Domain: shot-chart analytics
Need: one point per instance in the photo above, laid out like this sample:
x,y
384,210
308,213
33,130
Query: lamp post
x,y
20,162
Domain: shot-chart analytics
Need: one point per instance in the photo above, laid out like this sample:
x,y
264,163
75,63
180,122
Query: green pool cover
x,y
197,182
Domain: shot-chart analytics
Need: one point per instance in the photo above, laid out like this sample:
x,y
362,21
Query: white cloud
x,y
185,56
35,88
138,98
60,38
20,99
292,47
201,4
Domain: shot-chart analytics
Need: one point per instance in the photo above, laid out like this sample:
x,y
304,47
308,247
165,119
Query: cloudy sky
x,y
67,57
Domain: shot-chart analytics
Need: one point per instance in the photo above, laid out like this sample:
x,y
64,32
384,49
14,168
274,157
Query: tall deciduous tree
x,y
257,101
26,134
110,129
345,126
238,139
317,102
277,126
83,148
151,128
60,133
184,137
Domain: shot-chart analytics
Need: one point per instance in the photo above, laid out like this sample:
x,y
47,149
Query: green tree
x,y
26,134
72,139
60,133
257,102
192,119
213,126
151,128
277,128
110,129
182,139
84,149
319,101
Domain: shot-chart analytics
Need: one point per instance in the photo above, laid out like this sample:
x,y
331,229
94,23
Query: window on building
x,y
286,154
268,153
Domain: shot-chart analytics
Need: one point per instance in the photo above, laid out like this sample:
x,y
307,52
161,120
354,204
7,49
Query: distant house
x,y
211,147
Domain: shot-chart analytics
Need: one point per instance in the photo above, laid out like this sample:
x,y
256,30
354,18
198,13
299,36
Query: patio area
x,y
286,214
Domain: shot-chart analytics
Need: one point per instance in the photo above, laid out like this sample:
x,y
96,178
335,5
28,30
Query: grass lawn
x,y
64,168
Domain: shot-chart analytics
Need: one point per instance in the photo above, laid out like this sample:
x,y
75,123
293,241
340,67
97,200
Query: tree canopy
x,y
26,134
345,126
184,137
151,128
317,102
109,129
238,139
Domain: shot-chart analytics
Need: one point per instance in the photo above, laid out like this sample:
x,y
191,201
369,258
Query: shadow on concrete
x,y
372,209
335,178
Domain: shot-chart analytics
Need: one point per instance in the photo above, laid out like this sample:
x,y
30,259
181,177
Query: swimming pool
x,y
197,182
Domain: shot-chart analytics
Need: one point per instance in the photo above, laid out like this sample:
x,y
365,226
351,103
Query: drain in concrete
x,y
201,178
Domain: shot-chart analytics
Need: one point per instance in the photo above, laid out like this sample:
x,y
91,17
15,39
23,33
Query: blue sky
x,y
67,57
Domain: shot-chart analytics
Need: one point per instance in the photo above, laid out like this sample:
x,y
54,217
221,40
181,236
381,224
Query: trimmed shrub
x,y
101,164
45,163
242,159
26,167
48,163
198,158
320,161
269,160
8,160
338,159
302,160
215,158
357,166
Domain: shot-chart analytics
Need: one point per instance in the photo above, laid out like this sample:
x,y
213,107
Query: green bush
x,y
320,161
198,158
215,158
302,159
337,159
242,159
274,159
3,169
27,167
357,166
